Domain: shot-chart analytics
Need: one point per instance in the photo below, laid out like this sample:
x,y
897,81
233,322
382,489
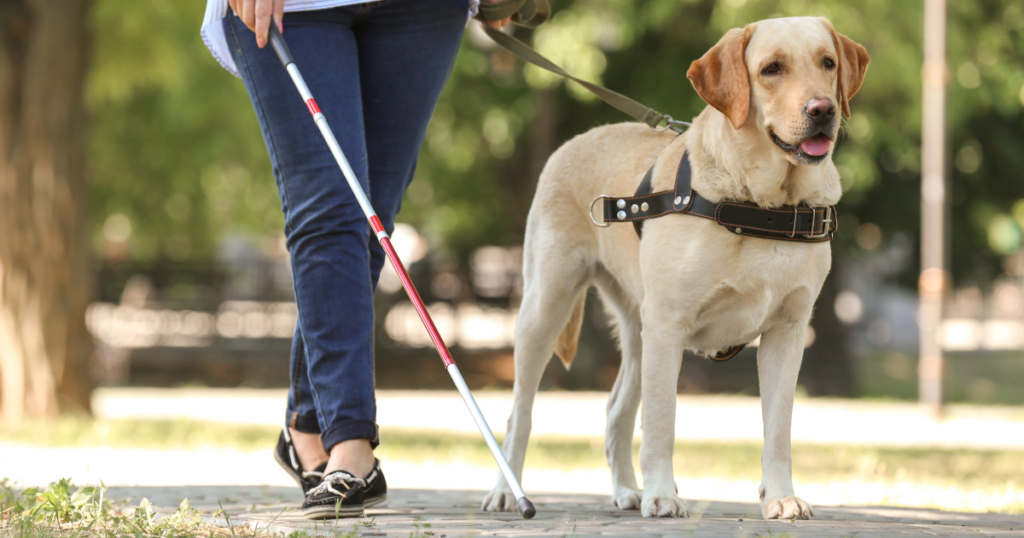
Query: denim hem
x,y
304,422
350,429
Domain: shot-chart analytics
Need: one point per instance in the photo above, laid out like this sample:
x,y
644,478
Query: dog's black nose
x,y
820,110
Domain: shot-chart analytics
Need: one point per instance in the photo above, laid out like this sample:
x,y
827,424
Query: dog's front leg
x,y
659,372
778,364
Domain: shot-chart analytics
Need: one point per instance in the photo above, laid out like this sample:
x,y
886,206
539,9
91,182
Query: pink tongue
x,y
816,146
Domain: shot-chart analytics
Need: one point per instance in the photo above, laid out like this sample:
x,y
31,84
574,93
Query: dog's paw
x,y
626,499
664,506
786,508
500,500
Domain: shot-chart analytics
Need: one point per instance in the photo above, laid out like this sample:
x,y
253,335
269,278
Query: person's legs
x,y
410,47
326,231
406,52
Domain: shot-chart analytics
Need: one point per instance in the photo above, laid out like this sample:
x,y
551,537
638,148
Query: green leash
x,y
530,13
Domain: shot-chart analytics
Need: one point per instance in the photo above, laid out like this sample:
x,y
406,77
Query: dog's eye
x,y
828,63
772,69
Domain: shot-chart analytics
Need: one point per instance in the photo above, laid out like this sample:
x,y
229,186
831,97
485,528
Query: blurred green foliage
x,y
175,149
177,155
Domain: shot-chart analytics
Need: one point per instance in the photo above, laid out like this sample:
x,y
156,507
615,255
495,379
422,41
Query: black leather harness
x,y
802,224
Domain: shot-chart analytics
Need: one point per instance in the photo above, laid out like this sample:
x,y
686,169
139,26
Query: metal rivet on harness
x,y
644,206
634,208
739,230
620,204
686,200
621,215
678,200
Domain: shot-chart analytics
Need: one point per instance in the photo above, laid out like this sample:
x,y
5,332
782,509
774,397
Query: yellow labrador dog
x,y
776,89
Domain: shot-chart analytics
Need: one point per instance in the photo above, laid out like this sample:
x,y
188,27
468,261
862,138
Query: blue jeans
x,y
376,71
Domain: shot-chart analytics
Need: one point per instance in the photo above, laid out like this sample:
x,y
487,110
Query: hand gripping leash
x,y
277,40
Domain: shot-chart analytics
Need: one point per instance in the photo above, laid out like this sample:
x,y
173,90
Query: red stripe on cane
x,y
311,105
414,296
376,225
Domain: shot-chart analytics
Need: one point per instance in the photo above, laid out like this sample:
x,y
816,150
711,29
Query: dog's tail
x,y
565,347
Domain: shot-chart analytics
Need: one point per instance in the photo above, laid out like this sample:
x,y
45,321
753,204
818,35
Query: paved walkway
x,y
451,514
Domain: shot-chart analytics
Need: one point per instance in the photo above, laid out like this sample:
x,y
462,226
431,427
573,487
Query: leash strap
x,y
527,13
786,223
530,13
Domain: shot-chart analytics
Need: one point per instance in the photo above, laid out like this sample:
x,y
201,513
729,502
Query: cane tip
x,y
526,508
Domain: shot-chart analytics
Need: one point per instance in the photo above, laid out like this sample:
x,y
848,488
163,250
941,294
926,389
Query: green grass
x,y
971,469
62,510
152,434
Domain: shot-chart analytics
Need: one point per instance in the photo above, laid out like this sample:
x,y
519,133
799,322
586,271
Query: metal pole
x,y
526,508
934,279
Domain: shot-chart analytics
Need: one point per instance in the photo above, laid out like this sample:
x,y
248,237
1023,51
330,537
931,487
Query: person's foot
x,y
308,448
354,456
338,495
341,495
287,457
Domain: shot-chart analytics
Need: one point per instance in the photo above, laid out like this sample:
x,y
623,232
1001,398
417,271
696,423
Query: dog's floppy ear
x,y
853,64
720,76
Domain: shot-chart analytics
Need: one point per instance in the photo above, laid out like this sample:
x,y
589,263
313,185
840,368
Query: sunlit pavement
x,y
582,414
425,513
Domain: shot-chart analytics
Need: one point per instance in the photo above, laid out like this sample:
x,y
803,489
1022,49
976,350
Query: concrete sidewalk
x,y
582,414
450,514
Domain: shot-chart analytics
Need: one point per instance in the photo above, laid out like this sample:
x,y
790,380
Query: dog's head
x,y
788,78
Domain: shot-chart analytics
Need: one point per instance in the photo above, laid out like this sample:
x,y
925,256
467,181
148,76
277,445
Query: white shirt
x,y
212,30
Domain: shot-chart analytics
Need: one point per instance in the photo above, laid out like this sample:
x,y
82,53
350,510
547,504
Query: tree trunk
x,y
44,258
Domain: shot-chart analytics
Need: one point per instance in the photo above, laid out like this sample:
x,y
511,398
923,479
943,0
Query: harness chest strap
x,y
802,224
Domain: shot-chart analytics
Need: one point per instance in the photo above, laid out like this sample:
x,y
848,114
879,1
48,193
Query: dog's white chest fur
x,y
745,293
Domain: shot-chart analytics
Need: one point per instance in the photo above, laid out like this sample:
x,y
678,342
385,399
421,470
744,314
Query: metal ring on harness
x,y
727,353
670,123
592,219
